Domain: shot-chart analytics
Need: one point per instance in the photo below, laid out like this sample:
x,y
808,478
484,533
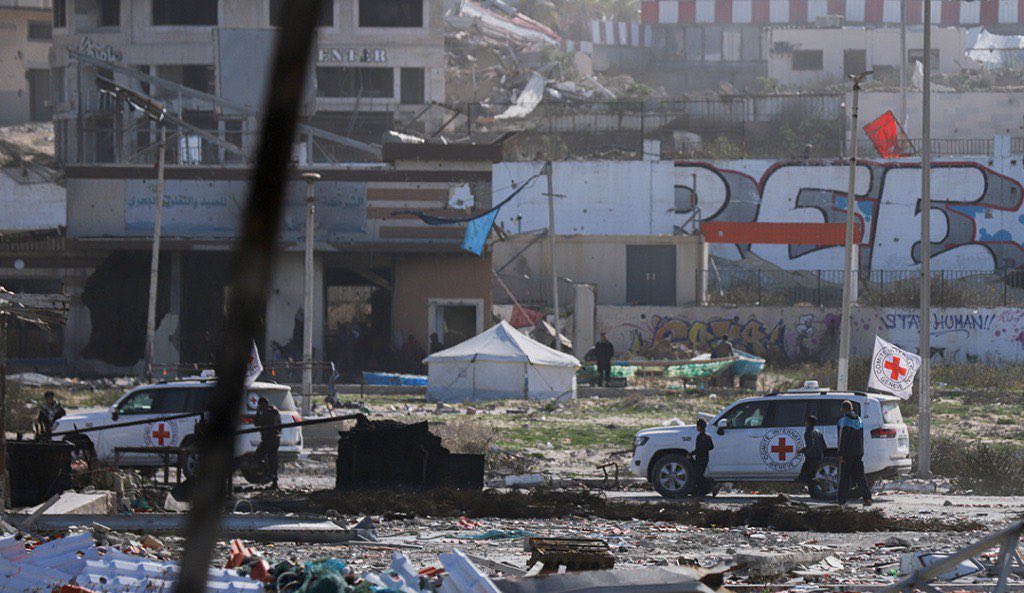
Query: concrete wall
x,y
600,260
420,279
882,46
38,205
977,205
17,56
810,333
981,114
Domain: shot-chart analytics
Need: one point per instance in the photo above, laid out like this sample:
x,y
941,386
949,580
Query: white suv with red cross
x,y
758,439
173,398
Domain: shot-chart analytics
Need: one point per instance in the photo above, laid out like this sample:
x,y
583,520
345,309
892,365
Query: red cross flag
x,y
253,367
893,369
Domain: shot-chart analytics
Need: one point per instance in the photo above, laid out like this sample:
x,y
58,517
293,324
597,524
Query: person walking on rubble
x,y
701,456
268,420
49,413
604,351
851,455
813,452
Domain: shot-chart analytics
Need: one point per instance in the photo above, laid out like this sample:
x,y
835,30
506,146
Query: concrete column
x,y
584,312
167,345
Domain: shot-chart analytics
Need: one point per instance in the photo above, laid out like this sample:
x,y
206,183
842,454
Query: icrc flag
x,y
893,369
254,367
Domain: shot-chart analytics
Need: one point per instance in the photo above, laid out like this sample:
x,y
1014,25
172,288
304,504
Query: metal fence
x,y
886,288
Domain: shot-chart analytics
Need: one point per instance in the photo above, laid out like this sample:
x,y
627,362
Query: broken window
x,y
39,31
807,59
194,76
110,13
326,18
413,86
390,13
60,13
185,12
355,82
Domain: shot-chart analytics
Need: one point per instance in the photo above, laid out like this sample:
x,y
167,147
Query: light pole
x,y
848,255
154,261
924,446
551,248
307,317
156,112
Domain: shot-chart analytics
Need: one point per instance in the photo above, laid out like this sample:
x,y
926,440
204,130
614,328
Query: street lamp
x,y
156,112
924,413
307,318
848,260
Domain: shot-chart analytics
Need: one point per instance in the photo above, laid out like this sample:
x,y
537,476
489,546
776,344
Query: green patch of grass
x,y
563,435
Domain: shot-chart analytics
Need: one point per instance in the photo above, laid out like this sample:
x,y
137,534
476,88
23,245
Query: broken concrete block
x,y
100,502
152,543
772,564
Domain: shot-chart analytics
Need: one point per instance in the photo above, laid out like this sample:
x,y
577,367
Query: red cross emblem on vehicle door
x,y
160,434
782,448
894,365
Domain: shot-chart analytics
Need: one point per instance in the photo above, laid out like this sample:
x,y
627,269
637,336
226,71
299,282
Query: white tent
x,y
500,363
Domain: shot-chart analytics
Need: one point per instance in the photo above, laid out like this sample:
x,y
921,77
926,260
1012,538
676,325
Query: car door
x,y
779,454
136,406
737,434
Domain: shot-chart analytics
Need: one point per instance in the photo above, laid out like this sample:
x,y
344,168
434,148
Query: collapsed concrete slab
x,y
773,564
100,502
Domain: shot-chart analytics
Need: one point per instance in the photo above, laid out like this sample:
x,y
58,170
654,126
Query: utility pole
x,y
5,481
842,383
551,250
924,425
307,316
154,264
903,63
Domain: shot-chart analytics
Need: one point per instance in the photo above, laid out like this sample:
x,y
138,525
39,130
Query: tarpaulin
x,y
888,137
477,231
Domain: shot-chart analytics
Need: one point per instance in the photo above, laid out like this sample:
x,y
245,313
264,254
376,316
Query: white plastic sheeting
x,y
995,51
76,560
500,363
528,99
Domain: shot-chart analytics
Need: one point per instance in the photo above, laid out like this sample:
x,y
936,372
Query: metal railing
x,y
884,288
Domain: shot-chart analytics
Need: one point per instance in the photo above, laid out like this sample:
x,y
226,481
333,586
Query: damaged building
x,y
379,276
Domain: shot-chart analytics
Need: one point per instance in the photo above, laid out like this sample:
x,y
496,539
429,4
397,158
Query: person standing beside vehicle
x,y
813,452
49,413
851,455
268,420
604,351
701,457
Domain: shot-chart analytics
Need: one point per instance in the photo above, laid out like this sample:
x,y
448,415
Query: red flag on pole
x,y
888,137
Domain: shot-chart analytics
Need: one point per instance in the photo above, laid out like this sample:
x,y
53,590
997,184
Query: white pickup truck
x,y
172,398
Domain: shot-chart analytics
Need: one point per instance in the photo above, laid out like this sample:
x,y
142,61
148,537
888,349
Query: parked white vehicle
x,y
168,399
758,439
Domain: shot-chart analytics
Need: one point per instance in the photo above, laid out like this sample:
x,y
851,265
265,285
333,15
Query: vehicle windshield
x,y
891,413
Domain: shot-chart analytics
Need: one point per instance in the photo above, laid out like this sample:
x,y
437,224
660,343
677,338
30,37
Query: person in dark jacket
x,y
268,420
603,353
701,456
851,455
49,413
813,452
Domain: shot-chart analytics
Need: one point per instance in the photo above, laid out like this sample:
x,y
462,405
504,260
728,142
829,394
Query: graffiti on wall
x,y
700,334
801,334
976,212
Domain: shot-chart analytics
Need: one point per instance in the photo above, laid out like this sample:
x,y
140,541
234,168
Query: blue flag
x,y
477,231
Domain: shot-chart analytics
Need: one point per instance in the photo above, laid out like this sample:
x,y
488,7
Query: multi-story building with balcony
x,y
25,35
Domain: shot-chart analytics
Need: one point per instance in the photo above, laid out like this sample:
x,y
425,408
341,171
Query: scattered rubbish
x,y
572,554
758,563
912,562
655,579
392,454
499,534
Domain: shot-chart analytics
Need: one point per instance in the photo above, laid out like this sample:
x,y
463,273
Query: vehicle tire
x,y
826,479
189,461
672,475
82,449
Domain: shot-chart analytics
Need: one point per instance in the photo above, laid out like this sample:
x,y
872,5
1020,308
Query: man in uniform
x,y
49,413
268,420
604,351
851,455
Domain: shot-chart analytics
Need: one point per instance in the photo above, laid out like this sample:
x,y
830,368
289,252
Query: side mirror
x,y
113,413
722,425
